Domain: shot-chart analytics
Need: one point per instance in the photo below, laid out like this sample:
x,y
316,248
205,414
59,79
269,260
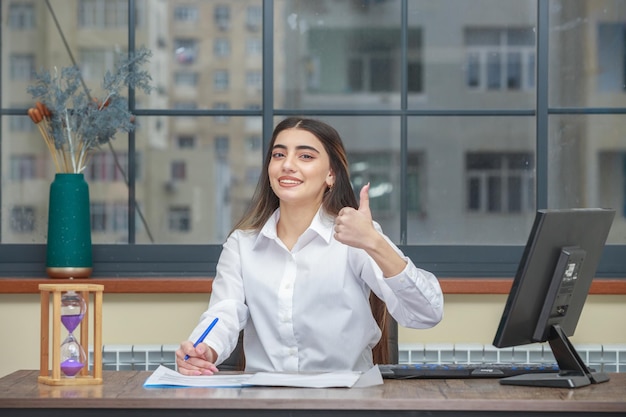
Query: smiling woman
x,y
305,273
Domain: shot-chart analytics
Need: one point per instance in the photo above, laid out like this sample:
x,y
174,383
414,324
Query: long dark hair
x,y
265,202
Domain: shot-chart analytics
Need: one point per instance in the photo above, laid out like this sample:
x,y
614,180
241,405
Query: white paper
x,y
164,377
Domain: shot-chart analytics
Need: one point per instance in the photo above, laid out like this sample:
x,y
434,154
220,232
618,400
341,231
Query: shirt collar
x,y
323,224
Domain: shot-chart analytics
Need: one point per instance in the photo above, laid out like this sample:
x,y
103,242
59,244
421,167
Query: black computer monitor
x,y
549,291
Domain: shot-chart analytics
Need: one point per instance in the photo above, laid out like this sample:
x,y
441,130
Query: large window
x,y
465,117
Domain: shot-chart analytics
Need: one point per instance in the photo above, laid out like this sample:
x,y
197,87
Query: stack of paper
x,y
164,377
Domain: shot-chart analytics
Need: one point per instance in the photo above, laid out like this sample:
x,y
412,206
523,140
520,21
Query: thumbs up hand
x,y
354,227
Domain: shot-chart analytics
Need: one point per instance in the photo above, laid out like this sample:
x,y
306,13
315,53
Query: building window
x,y
254,81
254,143
22,66
374,168
254,47
220,80
500,182
415,183
186,14
109,216
102,167
95,63
221,47
178,170
186,51
369,72
371,62
187,78
23,167
102,14
254,17
21,16
98,214
222,17
22,219
414,77
21,124
185,105
120,217
377,169
611,67
500,59
179,219
220,106
222,144
186,142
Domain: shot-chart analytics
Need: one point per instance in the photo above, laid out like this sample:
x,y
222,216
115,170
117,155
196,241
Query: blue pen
x,y
206,332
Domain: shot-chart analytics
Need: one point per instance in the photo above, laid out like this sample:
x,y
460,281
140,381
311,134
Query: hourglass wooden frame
x,y
89,292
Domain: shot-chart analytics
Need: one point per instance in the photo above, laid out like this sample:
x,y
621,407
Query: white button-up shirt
x,y
308,309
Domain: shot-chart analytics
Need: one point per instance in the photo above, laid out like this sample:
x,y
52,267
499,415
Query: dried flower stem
x,y
49,142
77,123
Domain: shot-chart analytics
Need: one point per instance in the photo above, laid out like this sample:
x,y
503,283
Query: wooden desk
x,y
122,394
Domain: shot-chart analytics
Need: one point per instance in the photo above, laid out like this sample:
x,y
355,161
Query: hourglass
x,y
73,357
70,309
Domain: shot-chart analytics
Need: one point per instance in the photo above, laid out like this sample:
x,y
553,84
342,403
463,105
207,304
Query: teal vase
x,y
68,252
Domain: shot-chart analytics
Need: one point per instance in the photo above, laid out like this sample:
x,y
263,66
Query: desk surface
x,y
123,392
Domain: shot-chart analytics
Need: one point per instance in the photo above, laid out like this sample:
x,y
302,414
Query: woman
x,y
297,272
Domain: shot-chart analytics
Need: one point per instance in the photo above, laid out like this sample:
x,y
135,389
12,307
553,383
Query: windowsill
x,y
190,285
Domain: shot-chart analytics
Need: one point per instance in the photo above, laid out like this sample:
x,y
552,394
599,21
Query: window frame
x,y
463,261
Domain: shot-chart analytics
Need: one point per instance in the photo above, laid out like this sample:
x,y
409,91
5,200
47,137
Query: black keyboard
x,y
456,371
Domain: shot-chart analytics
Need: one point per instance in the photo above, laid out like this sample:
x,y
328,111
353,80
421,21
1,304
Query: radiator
x,y
604,358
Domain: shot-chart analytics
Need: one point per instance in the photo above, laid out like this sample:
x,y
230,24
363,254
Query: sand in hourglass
x,y
73,352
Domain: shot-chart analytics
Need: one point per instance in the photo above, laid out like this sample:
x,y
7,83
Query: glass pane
x,y
205,52
477,54
587,59
196,177
27,171
478,177
339,55
587,166
107,176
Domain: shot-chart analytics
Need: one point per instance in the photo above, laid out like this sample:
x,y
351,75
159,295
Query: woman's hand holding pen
x,y
200,359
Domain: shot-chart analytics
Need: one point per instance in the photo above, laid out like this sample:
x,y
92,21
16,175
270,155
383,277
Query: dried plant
x,y
72,123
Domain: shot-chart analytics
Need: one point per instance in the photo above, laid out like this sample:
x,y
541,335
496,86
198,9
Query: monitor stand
x,y
573,371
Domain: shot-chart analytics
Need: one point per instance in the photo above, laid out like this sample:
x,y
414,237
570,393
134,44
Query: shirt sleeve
x,y
227,303
413,297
